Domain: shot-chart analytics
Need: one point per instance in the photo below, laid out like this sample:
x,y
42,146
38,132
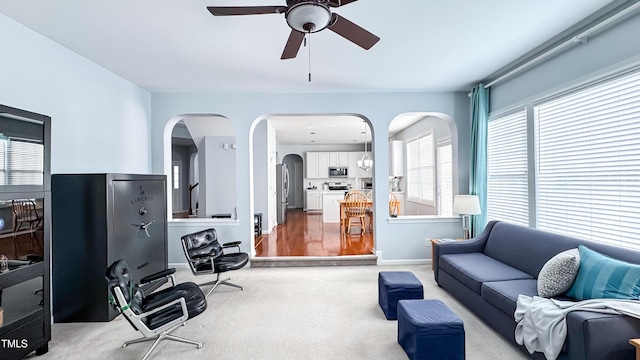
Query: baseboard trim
x,y
298,261
405,262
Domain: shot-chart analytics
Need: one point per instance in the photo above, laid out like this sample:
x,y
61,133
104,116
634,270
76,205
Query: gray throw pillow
x,y
559,273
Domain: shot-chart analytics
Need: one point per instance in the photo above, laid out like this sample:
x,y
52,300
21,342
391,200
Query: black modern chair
x,y
158,314
206,256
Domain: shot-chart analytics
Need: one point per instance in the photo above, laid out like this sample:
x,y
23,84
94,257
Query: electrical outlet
x,y
427,242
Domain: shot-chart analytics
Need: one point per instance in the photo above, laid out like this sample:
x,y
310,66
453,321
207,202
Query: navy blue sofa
x,y
488,272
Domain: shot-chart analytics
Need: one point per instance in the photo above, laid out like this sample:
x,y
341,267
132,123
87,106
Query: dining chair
x,y
25,215
355,206
370,209
24,212
393,204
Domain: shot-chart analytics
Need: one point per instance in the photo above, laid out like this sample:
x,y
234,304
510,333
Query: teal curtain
x,y
478,156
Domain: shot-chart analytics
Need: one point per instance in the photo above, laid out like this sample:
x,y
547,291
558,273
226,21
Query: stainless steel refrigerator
x,y
282,192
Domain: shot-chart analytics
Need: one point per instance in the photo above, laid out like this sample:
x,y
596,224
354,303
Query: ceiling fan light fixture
x,y
308,17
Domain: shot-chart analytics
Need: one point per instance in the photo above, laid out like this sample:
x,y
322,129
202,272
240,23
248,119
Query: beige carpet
x,y
283,313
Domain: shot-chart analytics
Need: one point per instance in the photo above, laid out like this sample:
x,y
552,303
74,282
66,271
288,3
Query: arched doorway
x,y
295,164
292,140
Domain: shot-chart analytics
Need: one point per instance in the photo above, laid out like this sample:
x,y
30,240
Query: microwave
x,y
338,172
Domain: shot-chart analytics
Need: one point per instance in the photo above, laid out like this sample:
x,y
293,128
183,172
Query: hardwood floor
x,y
305,234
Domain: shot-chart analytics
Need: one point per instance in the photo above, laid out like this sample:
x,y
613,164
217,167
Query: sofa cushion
x,y
559,273
601,276
504,294
472,269
520,246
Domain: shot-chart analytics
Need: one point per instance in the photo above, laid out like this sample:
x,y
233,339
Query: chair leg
x,y
217,282
156,340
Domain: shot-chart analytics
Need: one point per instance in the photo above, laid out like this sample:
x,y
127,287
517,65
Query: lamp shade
x,y
466,204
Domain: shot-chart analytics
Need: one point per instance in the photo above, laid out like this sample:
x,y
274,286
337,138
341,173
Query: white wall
x,y
100,122
217,176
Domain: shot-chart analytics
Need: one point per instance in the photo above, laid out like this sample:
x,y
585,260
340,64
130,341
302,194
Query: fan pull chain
x,y
309,56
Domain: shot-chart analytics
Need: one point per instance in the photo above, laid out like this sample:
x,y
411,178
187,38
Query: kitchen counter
x,y
331,206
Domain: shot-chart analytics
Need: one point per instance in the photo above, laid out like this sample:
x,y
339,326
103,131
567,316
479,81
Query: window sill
x,y
412,219
202,221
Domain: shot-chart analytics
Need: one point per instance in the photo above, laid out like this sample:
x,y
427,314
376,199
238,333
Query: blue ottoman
x,y
394,286
427,329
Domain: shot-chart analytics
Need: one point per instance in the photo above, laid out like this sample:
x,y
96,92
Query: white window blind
x,y
21,162
420,169
3,162
445,177
588,162
507,179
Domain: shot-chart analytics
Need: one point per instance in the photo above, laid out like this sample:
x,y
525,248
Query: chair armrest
x,y
475,244
232,244
158,275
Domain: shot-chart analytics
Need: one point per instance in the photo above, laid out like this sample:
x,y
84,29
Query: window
x,y
420,169
176,177
21,162
445,176
588,162
507,184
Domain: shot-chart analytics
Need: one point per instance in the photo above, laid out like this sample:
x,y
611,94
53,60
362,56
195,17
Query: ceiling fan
x,y
306,16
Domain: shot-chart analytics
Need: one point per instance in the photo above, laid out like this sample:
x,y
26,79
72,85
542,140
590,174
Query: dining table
x,y
369,203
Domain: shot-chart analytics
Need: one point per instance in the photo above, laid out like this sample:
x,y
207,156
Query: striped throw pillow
x,y
600,276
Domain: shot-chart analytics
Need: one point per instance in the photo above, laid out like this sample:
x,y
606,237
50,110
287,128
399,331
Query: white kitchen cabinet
x,y
323,165
354,170
314,200
339,158
312,165
317,165
396,158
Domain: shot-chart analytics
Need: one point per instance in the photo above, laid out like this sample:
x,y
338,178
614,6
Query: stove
x,y
338,186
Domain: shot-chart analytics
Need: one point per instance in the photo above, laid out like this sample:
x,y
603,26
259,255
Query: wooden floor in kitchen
x,y
304,234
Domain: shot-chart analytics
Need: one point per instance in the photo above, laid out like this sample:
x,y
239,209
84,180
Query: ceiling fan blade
x,y
353,32
338,3
246,10
293,45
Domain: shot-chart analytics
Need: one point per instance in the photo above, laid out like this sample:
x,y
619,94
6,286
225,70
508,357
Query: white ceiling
x,y
178,46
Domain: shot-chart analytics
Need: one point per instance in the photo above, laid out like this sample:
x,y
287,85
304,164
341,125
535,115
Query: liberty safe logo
x,y
14,343
142,197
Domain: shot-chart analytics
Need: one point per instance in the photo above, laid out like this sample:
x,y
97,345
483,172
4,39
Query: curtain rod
x,y
580,38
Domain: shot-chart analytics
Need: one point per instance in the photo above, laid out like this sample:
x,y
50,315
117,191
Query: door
x,y
176,186
138,225
298,176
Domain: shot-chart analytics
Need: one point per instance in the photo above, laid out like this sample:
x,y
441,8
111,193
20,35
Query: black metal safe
x,y
96,220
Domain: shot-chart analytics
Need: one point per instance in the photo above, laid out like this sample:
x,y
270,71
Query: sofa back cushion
x,y
526,248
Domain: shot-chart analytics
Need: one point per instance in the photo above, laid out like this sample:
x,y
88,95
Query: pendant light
x,y
365,163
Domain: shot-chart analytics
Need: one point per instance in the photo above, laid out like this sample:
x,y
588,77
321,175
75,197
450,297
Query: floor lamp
x,y
466,205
